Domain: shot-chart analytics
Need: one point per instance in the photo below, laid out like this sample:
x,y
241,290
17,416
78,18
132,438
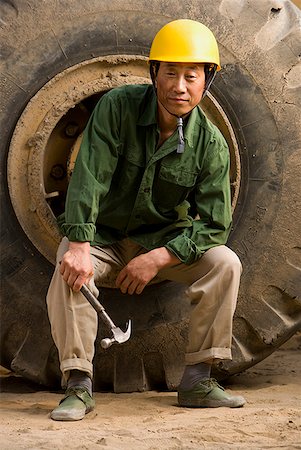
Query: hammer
x,y
119,336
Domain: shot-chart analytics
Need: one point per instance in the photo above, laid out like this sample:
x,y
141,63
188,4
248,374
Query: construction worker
x,y
146,152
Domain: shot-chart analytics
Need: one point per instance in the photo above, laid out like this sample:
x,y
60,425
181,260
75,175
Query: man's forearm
x,y
163,257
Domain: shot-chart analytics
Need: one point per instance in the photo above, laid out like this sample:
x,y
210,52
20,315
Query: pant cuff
x,y
207,355
75,364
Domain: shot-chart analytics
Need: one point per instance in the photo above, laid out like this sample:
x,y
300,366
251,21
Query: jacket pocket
x,y
172,187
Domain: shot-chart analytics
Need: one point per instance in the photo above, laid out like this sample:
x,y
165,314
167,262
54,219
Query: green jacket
x,y
123,186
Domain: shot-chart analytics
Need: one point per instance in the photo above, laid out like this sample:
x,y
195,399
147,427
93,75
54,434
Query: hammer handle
x,y
97,306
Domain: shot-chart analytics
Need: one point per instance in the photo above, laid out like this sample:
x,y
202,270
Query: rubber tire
x,y
258,88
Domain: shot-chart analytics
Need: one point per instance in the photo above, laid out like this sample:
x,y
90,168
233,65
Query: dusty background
x,y
151,420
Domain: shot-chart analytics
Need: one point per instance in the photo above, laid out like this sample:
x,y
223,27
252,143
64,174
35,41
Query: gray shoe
x,y
76,403
208,394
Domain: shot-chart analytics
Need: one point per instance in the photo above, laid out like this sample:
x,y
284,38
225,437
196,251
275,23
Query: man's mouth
x,y
178,100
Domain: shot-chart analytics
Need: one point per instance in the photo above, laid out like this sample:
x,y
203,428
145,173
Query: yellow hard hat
x,y
185,40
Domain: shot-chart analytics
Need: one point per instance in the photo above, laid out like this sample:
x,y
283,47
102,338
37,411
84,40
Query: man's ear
x,y
153,72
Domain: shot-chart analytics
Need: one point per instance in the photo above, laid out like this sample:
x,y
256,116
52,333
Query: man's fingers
x,y
125,285
74,279
140,288
66,274
136,288
132,288
62,268
123,280
79,281
120,278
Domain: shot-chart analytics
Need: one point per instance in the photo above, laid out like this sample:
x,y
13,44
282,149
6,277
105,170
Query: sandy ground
x,y
270,420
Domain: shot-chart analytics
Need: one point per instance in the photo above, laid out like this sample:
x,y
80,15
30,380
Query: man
x,y
148,156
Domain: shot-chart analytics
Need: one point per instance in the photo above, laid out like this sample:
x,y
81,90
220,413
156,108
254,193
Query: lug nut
x,y
71,130
58,172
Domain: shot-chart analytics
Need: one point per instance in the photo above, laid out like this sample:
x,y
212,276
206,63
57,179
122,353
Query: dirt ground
x,y
270,420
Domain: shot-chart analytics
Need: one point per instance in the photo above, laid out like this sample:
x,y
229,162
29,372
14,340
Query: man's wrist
x,y
75,245
163,257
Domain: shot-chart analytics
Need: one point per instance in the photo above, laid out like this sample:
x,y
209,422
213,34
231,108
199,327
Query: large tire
x,y
257,92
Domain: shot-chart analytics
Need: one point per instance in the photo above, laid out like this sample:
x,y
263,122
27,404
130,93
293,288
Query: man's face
x,y
180,86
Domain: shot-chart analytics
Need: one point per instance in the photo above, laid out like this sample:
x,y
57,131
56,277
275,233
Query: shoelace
x,y
212,383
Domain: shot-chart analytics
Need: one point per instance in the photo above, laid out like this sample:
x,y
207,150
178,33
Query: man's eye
x,y
190,77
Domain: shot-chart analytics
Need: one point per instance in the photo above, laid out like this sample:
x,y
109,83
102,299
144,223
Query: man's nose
x,y
180,84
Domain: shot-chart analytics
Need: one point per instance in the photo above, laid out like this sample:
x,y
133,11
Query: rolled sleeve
x,y
81,232
184,248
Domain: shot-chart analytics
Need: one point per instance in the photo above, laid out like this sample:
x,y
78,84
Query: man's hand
x,y
76,266
141,270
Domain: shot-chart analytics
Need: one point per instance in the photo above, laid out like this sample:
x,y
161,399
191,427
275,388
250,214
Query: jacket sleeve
x,y
92,175
213,201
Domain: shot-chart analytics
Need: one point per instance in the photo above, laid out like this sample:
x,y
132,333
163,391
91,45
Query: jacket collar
x,y
149,108
149,116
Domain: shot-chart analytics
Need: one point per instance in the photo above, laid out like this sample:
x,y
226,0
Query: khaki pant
x,y
213,283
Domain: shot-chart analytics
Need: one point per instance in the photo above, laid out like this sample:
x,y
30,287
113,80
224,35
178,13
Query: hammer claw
x,y
119,336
